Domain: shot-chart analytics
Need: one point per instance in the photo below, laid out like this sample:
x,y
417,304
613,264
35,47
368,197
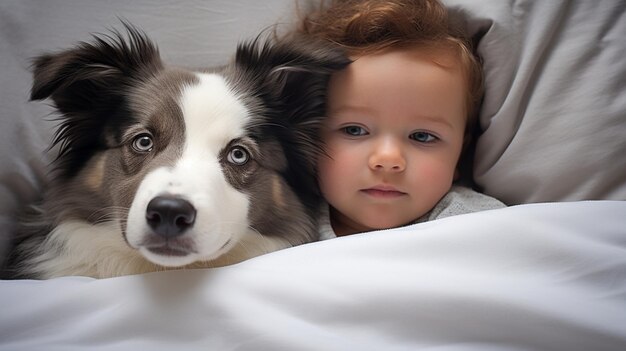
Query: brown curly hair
x,y
369,26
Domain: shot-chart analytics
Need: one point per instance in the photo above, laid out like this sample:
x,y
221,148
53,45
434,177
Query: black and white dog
x,y
162,167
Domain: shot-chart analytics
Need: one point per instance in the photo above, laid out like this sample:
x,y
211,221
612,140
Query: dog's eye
x,y
238,156
143,143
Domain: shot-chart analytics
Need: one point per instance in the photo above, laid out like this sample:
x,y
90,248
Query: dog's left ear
x,y
291,77
292,74
286,62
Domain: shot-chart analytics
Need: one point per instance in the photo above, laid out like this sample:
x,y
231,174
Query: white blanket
x,y
530,277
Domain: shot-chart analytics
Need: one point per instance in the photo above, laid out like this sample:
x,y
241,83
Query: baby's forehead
x,y
399,84
446,57
414,69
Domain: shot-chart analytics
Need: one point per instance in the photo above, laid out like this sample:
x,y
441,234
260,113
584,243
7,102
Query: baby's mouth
x,y
383,191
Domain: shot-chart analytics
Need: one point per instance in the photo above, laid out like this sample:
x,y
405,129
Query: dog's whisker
x,y
109,210
108,214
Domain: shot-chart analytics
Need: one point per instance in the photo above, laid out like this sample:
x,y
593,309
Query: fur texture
x,y
163,168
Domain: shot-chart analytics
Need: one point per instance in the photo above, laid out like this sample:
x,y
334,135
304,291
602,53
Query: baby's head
x,y
366,27
399,116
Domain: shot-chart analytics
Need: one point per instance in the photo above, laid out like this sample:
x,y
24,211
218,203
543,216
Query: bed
x,y
546,273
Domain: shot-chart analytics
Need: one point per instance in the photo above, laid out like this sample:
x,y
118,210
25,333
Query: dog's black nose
x,y
170,216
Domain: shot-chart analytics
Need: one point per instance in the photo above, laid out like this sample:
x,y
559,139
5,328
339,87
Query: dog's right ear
x,y
89,85
87,76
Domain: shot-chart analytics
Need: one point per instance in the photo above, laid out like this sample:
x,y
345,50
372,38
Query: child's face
x,y
394,136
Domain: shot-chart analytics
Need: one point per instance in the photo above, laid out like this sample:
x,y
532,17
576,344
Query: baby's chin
x,y
381,219
370,224
382,225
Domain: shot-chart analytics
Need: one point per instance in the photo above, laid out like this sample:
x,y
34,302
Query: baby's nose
x,y
388,155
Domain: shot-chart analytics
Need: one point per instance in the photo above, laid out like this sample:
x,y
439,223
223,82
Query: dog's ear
x,y
88,85
291,77
80,78
295,68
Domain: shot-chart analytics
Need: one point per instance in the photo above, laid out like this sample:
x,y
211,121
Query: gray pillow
x,y
554,113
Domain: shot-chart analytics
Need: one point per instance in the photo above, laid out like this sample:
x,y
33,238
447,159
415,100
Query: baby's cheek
x,y
327,172
440,173
329,168
336,169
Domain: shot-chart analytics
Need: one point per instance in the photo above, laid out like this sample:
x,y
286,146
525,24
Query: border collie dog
x,y
162,167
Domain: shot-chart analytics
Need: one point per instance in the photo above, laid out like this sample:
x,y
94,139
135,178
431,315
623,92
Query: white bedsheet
x,y
530,277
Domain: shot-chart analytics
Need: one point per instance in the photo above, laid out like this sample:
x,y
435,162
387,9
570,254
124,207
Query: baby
x,y
399,117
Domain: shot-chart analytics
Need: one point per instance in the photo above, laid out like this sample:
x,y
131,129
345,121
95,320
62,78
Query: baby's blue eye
x,y
423,137
354,130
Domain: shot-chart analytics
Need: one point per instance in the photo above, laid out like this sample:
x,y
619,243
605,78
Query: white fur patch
x,y
81,248
213,117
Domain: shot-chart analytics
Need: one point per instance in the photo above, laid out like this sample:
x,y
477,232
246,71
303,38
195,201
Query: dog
x,y
161,167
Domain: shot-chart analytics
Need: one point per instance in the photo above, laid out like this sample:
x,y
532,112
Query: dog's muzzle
x,y
170,216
